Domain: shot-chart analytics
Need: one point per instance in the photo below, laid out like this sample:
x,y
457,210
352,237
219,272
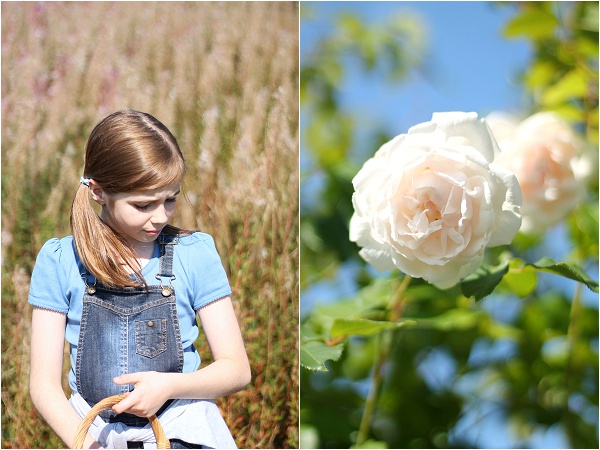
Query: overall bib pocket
x,y
150,337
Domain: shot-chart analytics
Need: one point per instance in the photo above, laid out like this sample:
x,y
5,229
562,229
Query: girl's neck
x,y
144,252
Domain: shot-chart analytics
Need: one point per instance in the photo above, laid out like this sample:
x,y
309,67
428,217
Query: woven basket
x,y
161,438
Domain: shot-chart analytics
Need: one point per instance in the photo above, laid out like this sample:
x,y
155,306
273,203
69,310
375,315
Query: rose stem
x,y
384,345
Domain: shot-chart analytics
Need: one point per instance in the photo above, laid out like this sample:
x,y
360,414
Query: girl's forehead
x,y
169,190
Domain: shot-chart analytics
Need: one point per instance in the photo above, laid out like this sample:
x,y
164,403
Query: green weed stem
x,y
384,346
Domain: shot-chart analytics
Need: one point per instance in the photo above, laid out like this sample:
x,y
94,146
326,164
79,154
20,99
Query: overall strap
x,y
167,243
165,270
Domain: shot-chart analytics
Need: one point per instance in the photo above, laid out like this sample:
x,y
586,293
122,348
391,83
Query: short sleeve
x,y
210,278
46,288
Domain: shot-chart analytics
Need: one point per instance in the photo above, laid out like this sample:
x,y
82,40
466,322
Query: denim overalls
x,y
128,330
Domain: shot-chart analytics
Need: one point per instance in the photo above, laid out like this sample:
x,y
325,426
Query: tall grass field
x,y
223,77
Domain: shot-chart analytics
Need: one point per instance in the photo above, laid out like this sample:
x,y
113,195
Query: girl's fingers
x,y
123,405
128,378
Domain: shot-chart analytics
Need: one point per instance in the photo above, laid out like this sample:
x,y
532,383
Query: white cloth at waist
x,y
193,421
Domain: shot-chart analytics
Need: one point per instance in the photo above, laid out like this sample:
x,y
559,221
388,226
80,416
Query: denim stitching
x,y
158,337
80,343
124,353
131,310
177,337
102,299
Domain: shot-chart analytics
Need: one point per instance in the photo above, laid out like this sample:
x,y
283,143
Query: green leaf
x,y
534,24
583,225
376,295
364,327
371,443
454,319
483,281
351,26
540,74
572,85
520,279
329,137
331,71
308,333
498,330
567,270
589,20
313,354
568,111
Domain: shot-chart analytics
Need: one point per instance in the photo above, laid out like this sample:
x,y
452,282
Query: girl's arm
x,y
229,373
45,379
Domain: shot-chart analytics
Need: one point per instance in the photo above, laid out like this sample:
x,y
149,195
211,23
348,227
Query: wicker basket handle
x,y
161,438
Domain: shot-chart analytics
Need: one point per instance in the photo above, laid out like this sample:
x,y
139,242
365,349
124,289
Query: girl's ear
x,y
97,192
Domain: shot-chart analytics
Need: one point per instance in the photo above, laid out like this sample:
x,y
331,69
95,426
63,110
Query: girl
x,y
124,291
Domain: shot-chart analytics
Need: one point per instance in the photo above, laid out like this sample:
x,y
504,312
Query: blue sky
x,y
470,66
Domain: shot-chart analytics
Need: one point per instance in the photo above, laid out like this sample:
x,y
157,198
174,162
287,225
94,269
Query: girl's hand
x,y
148,396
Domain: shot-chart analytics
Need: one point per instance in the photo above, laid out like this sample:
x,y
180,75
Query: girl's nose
x,y
161,215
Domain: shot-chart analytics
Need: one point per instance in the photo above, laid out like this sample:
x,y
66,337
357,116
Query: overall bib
x,y
128,330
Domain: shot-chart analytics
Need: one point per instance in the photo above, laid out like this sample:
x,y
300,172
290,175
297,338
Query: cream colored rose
x,y
429,202
544,154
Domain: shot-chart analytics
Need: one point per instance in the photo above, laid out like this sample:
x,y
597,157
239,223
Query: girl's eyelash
x,y
145,207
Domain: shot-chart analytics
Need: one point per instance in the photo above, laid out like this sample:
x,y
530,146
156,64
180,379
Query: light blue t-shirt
x,y
56,284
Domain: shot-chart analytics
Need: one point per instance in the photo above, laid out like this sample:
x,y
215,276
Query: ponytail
x,y
127,151
102,250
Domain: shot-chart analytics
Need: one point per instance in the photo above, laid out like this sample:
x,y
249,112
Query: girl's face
x,y
139,216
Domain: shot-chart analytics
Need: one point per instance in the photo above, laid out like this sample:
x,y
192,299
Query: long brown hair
x,y
128,151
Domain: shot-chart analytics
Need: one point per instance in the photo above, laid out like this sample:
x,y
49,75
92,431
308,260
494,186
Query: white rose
x,y
429,202
544,154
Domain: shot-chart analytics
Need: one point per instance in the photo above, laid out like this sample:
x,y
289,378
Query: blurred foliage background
x,y
524,359
223,77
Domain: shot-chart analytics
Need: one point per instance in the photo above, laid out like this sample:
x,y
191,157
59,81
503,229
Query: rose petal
x,y
373,252
507,206
465,129
379,258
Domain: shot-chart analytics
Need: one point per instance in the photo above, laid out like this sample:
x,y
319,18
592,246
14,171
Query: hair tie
x,y
85,181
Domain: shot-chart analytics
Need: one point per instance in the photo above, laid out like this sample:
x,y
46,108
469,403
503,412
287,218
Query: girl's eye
x,y
146,206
